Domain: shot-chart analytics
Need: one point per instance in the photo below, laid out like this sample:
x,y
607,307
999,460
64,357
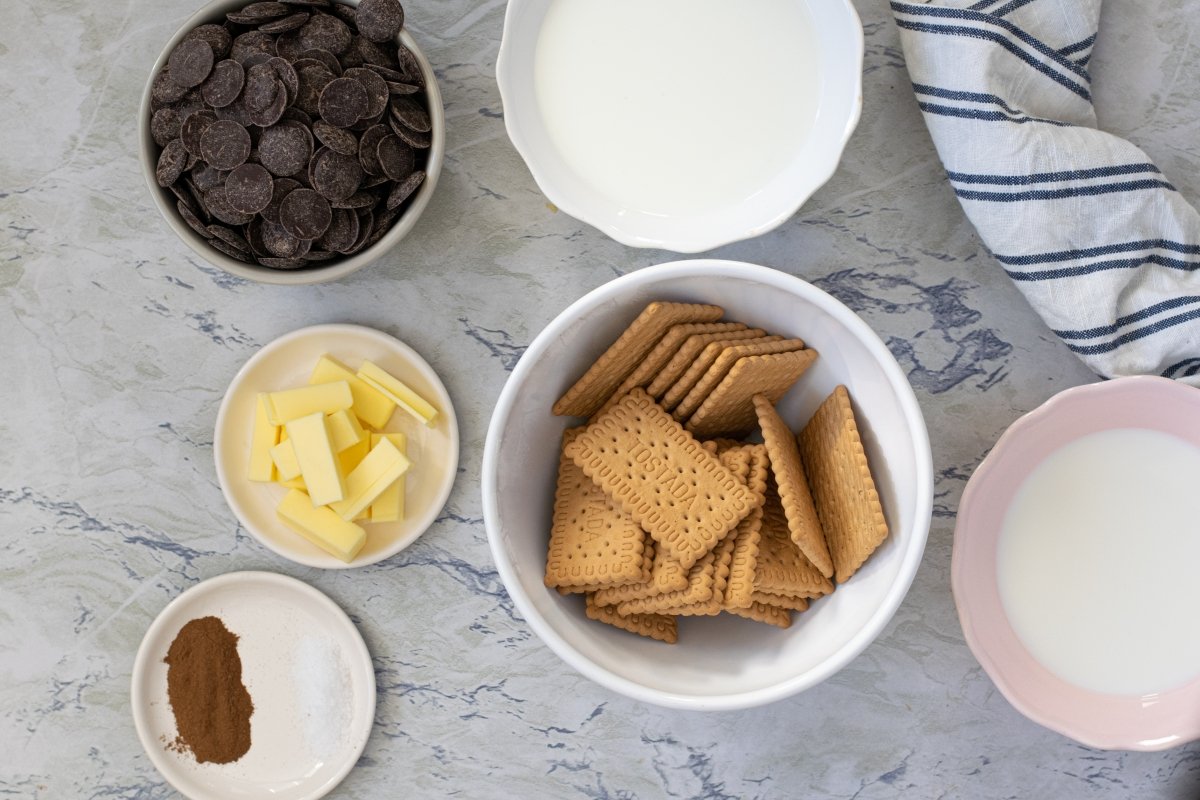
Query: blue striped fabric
x,y
1095,236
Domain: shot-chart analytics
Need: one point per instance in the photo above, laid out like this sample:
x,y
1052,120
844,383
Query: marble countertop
x,y
120,344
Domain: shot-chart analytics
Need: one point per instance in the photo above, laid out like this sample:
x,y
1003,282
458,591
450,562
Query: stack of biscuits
x,y
664,509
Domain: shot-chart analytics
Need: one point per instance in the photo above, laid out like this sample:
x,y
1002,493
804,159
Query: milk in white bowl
x,y
1098,562
677,107
680,124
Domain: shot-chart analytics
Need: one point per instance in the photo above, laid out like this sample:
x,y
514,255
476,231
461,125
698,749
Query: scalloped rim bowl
x,y
841,57
721,662
330,270
1127,722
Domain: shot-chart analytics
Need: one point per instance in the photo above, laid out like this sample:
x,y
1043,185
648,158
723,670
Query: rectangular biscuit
x,y
781,567
614,365
720,367
794,493
655,626
667,347
781,601
843,490
665,575
593,541
688,352
700,364
728,410
771,615
744,558
681,495
743,462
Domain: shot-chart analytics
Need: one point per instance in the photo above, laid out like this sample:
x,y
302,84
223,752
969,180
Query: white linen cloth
x,y
1095,236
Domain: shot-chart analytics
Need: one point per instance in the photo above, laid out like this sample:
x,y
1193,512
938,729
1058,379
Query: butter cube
x,y
395,390
286,463
344,430
351,457
389,506
264,437
318,463
370,406
321,526
379,470
291,404
294,483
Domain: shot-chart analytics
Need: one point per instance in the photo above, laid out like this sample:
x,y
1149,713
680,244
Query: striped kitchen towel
x,y
1095,236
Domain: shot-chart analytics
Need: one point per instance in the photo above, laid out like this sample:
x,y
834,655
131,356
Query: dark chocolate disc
x,y
171,163
380,20
217,203
225,144
411,114
224,84
251,42
326,33
165,125
334,175
368,149
404,189
190,63
377,89
396,159
249,187
285,148
304,214
337,139
343,102
193,127
217,36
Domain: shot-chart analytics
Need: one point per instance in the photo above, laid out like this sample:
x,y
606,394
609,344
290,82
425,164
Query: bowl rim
x,y
1020,678
705,238
919,522
338,268
227,482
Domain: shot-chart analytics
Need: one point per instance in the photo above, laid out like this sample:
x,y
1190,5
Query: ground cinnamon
x,y
204,684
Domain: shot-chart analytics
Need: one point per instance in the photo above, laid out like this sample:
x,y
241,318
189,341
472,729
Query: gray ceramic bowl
x,y
323,271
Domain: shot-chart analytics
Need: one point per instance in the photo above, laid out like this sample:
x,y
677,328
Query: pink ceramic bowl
x,y
1143,722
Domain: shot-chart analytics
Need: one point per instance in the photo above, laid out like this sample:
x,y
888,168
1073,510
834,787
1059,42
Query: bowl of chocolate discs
x,y
292,142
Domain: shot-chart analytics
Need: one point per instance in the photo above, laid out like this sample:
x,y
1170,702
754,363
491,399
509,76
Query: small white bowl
x,y
290,636
834,32
322,271
724,662
287,363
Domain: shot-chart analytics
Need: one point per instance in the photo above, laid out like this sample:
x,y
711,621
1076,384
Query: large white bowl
x,y
724,662
839,39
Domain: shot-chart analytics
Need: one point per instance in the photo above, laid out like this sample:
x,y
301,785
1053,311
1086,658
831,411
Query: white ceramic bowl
x,y
334,268
308,672
287,363
837,37
724,662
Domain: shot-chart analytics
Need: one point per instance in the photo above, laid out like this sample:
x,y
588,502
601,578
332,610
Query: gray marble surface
x,y
120,344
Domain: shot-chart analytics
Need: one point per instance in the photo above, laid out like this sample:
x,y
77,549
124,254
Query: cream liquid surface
x,y
677,107
1098,562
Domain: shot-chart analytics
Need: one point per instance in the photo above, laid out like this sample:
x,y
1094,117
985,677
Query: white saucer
x,y
287,363
298,750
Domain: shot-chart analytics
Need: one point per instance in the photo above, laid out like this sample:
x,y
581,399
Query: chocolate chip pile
x,y
295,131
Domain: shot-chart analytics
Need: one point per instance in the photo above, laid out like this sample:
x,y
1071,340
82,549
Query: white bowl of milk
x,y
1076,566
680,124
